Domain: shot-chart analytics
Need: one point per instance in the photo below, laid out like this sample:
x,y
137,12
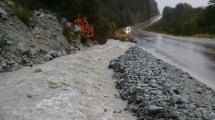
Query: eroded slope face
x,y
23,45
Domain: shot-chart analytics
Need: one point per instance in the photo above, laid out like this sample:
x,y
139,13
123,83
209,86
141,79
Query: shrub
x,y
87,30
23,14
70,36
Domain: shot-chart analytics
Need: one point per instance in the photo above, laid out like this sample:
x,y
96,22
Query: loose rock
x,y
2,41
156,90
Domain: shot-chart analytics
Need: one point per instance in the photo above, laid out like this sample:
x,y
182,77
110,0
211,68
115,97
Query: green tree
x,y
185,20
212,2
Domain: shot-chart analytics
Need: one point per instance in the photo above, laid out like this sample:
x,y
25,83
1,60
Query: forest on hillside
x,y
105,15
188,21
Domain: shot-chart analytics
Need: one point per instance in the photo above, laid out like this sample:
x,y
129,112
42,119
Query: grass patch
x,y
70,36
23,14
203,35
122,36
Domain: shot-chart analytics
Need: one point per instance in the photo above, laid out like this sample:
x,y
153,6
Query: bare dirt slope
x,y
73,87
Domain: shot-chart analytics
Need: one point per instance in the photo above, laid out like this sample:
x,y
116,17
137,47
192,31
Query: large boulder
x,y
67,25
23,48
3,14
77,28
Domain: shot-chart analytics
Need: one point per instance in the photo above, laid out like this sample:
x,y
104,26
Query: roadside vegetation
x,y
184,20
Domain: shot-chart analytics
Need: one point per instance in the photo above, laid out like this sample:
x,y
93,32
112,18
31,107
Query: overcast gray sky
x,y
172,3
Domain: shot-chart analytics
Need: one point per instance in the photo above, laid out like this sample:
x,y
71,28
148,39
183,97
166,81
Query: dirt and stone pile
x,y
156,90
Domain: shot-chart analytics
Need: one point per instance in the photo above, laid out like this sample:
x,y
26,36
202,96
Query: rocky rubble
x,y
29,45
156,90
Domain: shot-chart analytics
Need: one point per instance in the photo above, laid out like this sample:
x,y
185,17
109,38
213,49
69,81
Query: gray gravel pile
x,y
156,90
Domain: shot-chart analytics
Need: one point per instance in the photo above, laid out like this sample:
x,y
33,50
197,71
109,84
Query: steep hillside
x,y
22,45
105,15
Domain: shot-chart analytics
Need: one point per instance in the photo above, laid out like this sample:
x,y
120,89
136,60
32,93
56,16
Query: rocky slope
x,y
22,45
156,90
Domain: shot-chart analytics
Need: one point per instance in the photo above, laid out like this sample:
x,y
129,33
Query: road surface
x,y
196,55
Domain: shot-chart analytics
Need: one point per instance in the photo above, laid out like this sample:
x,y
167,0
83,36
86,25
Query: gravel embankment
x,y
156,90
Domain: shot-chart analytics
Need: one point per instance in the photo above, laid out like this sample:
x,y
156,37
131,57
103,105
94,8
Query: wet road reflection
x,y
197,55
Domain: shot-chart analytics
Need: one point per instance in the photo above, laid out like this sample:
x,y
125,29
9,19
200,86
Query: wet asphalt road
x,y
198,55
